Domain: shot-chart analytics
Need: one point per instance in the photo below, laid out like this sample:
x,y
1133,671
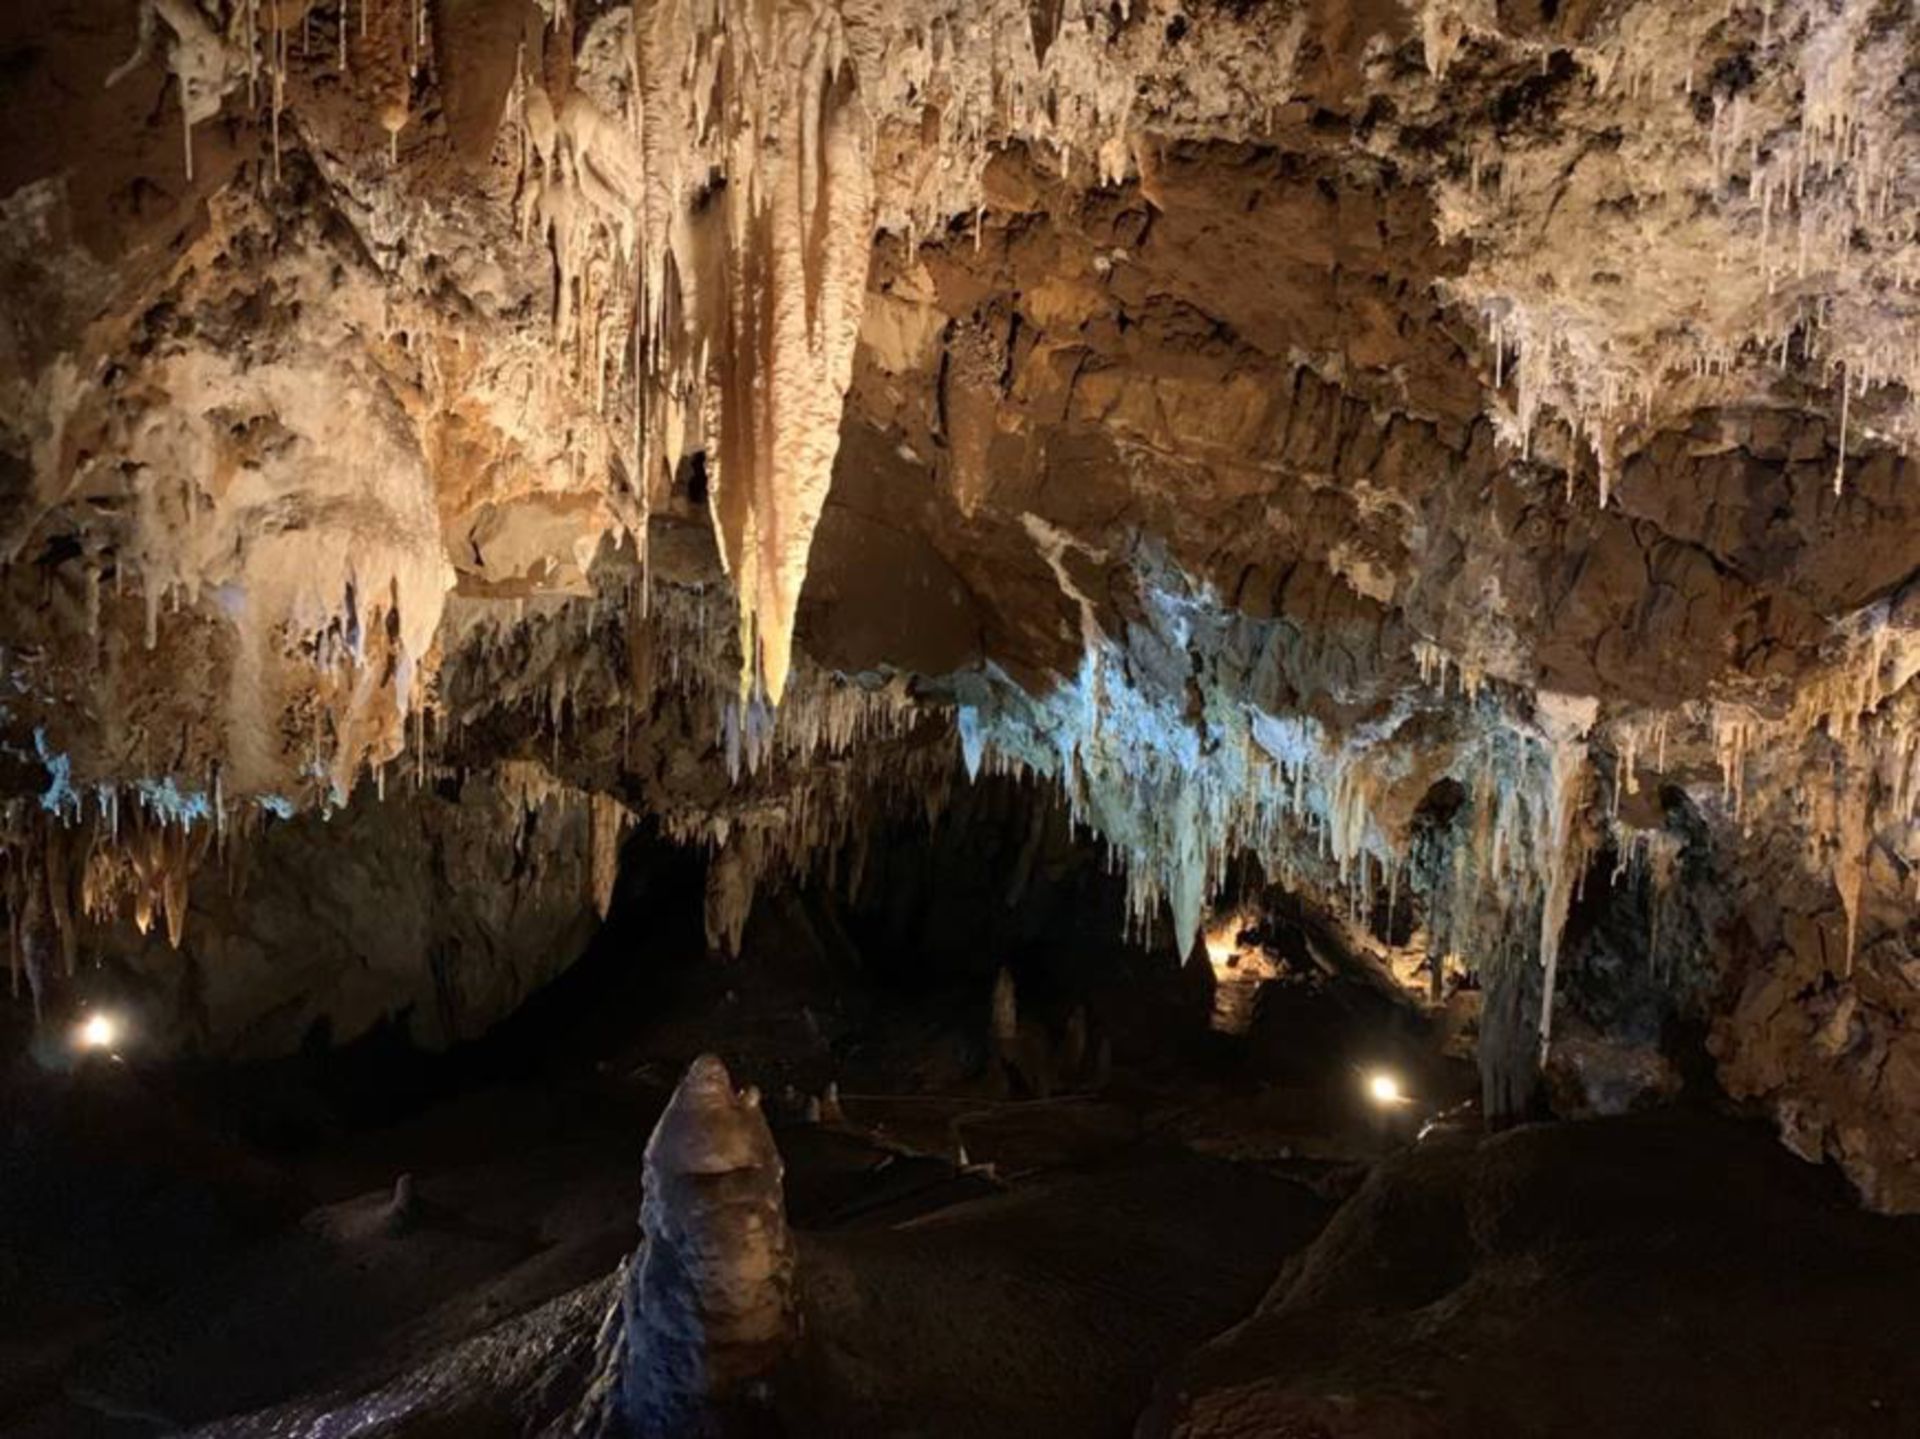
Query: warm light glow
x,y
1384,1088
1237,973
97,1031
1222,945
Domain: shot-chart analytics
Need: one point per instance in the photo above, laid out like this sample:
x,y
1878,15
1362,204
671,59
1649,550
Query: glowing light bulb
x,y
97,1031
1384,1088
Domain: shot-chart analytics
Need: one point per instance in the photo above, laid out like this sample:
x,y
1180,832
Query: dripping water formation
x,y
1193,719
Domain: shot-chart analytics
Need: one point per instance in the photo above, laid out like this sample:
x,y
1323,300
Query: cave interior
x,y
1193,719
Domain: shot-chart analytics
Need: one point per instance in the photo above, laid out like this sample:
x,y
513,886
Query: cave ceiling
x,y
1262,421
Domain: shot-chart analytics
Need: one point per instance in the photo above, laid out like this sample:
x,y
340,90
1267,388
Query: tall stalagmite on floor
x,y
708,1308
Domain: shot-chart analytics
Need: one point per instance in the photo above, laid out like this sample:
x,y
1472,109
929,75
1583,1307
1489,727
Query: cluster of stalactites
x,y
824,716
618,659
729,213
363,685
332,620
814,821
341,692
808,781
581,194
742,299
541,796
214,49
1838,763
732,308
1808,173
1178,798
108,853
684,643
332,638
1863,703
1178,794
711,216
85,861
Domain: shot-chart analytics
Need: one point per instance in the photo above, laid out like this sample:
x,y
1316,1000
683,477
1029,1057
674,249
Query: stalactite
x,y
609,823
205,68
763,304
1855,832
1566,721
1821,151
383,64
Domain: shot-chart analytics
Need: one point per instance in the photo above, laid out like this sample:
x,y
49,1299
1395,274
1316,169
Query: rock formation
x,y
1458,454
709,1305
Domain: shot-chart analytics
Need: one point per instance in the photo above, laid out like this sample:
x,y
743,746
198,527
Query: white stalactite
x,y
1565,721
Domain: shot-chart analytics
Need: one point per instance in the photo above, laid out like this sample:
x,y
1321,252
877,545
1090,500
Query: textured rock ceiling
x,y
1456,450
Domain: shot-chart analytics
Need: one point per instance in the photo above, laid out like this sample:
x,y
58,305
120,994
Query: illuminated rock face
x,y
1458,453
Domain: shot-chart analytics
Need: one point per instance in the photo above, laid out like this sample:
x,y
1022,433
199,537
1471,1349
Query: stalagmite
x,y
708,1306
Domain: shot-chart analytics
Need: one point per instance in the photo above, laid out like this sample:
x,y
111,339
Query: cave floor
x,y
1177,1250
1076,1253
225,1251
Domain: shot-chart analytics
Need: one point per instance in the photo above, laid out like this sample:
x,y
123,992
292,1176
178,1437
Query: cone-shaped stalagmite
x,y
709,1303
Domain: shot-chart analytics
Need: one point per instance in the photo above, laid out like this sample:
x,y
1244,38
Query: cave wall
x,y
433,916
